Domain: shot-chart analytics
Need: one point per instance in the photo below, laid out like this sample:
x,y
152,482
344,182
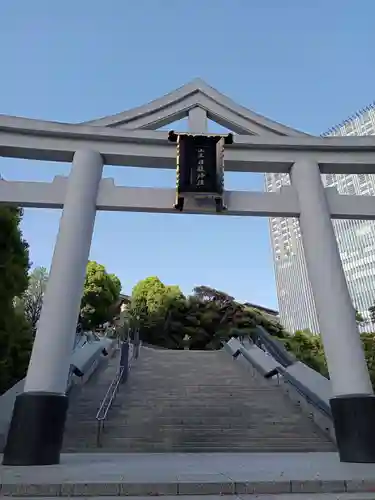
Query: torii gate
x,y
131,139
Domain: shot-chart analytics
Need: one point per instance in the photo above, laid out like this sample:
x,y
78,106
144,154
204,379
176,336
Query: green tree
x,y
208,294
368,340
156,309
220,317
308,348
371,310
101,291
114,284
211,316
359,318
31,300
16,342
15,332
174,311
14,256
147,300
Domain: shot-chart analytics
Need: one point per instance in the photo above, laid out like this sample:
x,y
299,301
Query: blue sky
x,y
306,63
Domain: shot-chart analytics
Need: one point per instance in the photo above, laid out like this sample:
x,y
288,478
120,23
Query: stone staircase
x,y
191,401
84,403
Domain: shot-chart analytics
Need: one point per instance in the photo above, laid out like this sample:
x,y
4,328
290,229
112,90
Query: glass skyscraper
x,y
356,241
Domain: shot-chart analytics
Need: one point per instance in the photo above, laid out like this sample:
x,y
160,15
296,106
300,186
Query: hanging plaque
x,y
200,165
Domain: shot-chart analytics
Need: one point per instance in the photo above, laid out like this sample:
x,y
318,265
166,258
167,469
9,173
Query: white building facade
x,y
356,241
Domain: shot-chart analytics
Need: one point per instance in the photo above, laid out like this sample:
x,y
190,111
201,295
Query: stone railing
x,y
90,350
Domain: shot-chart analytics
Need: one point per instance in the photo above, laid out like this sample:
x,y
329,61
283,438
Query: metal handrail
x,y
112,391
106,404
263,339
310,397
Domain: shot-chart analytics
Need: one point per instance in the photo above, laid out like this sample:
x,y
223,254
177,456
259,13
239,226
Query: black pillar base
x,y
354,417
37,429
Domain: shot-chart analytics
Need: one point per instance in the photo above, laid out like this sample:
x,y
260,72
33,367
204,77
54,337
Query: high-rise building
x,y
356,241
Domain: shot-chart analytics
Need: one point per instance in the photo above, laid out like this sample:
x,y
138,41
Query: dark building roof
x,y
124,298
267,310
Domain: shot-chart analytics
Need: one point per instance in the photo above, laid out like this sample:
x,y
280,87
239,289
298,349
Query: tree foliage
x,y
16,341
203,320
371,310
15,331
101,291
31,300
208,294
14,256
368,340
307,348
155,309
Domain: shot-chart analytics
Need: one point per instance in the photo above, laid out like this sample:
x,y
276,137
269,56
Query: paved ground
x,y
296,496
189,474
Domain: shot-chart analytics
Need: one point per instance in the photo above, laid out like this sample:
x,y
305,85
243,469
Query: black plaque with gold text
x,y
198,164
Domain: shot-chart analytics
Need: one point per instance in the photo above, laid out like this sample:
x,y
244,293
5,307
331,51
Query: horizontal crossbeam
x,y
50,141
134,199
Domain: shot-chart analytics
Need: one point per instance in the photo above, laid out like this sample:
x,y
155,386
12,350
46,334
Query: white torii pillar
x,y
37,427
353,403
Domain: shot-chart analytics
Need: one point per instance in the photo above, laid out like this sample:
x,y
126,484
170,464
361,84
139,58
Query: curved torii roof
x,y
197,93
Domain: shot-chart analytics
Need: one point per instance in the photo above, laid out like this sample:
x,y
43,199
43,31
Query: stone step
x,y
229,404
168,426
197,437
170,431
190,425
165,418
169,442
191,450
243,440
195,448
178,420
210,392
